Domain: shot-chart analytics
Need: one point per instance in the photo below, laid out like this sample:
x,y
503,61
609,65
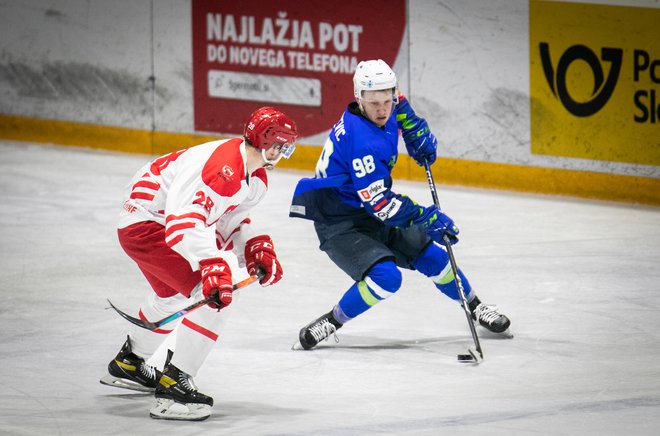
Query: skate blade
x,y
297,347
485,333
116,382
170,409
506,334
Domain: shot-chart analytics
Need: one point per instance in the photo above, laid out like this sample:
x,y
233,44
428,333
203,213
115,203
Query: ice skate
x,y
129,371
319,330
177,397
489,318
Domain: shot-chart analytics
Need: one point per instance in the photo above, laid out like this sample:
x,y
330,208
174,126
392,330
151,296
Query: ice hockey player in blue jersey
x,y
367,229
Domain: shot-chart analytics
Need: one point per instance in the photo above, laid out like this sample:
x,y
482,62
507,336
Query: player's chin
x,y
380,121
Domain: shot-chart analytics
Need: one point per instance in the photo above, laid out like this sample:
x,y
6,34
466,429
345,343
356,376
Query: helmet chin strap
x,y
270,164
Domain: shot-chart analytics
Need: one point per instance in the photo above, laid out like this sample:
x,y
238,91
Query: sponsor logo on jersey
x,y
391,210
227,172
372,190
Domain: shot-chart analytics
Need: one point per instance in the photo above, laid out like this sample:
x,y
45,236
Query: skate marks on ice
x,y
438,345
358,342
127,405
229,413
480,422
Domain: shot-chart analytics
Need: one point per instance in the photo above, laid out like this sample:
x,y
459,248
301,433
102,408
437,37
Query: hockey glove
x,y
420,142
436,224
216,281
260,254
423,147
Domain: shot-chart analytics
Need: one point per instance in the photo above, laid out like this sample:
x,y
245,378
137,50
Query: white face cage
x,y
286,150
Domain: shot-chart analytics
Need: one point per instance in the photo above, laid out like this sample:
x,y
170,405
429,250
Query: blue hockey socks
x,y
382,281
434,263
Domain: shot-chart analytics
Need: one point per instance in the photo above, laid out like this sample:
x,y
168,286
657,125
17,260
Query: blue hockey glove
x,y
436,224
422,147
420,142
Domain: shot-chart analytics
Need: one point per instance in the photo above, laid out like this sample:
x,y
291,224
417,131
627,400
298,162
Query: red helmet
x,y
267,126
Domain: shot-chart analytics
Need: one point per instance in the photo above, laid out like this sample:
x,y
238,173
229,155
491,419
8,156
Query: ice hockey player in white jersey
x,y
184,216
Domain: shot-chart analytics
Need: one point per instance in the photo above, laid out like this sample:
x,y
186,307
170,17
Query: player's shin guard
x,y
382,281
145,342
196,336
434,263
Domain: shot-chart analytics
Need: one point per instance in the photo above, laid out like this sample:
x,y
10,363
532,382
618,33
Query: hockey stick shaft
x,y
153,325
454,267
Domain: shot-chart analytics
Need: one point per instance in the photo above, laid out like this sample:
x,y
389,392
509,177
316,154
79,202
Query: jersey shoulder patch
x,y
225,169
262,175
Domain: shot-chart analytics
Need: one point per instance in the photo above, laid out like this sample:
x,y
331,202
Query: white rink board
x,y
466,69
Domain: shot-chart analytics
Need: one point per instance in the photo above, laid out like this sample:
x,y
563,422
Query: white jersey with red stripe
x,y
201,195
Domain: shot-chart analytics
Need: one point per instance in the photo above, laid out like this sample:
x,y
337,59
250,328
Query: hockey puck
x,y
465,358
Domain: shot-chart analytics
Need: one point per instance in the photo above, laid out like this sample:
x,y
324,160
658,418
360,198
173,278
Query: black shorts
x,y
355,246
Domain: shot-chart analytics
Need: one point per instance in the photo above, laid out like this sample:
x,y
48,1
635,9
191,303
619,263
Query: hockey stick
x,y
149,325
452,260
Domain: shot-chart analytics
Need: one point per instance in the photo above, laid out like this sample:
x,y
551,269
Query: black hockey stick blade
x,y
149,325
474,356
470,358
138,322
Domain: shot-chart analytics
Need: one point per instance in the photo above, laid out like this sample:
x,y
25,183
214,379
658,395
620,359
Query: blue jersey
x,y
353,175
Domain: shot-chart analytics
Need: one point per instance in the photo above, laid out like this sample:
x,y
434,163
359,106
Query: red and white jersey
x,y
201,195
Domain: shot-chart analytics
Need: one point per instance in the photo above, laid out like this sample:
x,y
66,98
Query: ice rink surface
x,y
579,279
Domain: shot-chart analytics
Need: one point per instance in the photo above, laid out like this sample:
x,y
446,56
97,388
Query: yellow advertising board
x,y
595,81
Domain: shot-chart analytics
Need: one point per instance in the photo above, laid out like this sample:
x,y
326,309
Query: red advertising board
x,y
298,56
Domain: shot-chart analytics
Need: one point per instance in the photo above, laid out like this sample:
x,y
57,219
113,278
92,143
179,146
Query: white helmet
x,y
373,76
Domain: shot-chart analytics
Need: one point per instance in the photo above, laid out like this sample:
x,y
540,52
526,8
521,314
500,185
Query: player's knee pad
x,y
159,307
384,279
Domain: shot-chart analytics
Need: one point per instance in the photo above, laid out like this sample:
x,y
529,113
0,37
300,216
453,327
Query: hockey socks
x,y
381,282
433,262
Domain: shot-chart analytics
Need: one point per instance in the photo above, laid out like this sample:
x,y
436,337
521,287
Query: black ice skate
x,y
319,330
129,371
489,317
177,397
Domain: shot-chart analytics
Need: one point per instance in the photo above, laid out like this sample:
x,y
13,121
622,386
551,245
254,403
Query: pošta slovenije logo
x,y
603,88
646,104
